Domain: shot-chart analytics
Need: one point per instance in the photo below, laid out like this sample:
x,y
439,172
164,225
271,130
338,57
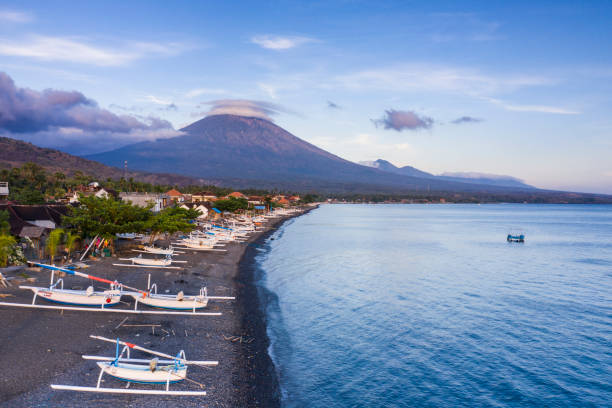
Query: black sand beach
x,y
43,347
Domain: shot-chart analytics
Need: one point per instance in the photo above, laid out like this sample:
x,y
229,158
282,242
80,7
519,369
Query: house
x,y
283,201
175,195
45,216
159,201
294,198
203,208
34,223
4,190
236,194
74,196
203,196
256,200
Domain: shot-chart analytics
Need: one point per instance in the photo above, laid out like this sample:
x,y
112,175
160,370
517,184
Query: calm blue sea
x,y
428,305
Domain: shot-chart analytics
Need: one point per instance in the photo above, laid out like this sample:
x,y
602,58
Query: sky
x,y
514,88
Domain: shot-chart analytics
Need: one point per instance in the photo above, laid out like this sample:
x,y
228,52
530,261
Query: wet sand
x,y
43,347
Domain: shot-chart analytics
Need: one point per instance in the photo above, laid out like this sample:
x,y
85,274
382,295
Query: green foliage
x,y
71,240
232,204
5,226
310,198
171,220
53,242
107,217
7,244
28,196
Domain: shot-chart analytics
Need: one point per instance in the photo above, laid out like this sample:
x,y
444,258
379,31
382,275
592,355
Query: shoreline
x,y
262,383
44,347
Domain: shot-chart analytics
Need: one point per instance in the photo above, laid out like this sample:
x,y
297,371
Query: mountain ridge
x,y
15,153
473,177
257,151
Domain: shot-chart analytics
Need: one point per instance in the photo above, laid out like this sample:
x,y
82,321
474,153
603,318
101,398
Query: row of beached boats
x,y
169,369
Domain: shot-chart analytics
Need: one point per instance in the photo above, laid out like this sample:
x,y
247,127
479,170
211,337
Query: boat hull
x,y
80,298
138,373
158,251
151,262
170,302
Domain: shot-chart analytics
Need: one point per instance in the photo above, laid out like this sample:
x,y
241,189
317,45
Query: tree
x,y
5,225
7,243
171,220
29,195
53,242
71,239
107,217
232,204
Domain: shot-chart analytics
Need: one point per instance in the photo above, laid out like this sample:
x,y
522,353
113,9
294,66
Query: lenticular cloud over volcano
x,y
245,107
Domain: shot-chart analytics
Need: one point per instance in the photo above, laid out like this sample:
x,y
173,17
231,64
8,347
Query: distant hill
x,y
474,178
388,167
248,151
15,153
484,178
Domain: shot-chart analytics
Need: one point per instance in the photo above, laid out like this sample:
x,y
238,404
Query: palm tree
x,y
53,242
71,240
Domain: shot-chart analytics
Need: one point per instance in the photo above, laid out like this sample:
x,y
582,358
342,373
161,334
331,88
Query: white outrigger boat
x,y
171,370
158,251
92,301
139,261
88,297
179,301
196,243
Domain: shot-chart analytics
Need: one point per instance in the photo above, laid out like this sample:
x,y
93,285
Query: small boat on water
x,y
516,238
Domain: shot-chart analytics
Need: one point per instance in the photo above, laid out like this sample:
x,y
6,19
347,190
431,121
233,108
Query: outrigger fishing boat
x,y
139,261
170,370
516,238
88,297
158,251
90,300
179,301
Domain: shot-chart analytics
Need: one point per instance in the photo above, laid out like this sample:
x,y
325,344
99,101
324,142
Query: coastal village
x,y
153,283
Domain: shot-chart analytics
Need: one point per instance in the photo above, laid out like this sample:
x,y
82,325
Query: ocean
x,y
428,305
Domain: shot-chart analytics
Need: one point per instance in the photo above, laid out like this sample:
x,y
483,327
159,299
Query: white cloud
x,y
205,91
532,108
79,51
269,89
274,42
244,107
12,16
156,100
425,77
541,109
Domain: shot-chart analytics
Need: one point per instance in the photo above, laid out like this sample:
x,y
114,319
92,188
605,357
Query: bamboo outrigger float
x,y
92,301
171,370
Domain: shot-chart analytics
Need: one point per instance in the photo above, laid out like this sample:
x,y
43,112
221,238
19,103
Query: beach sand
x,y
43,347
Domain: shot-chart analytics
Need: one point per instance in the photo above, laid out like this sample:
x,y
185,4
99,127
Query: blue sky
x,y
364,80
